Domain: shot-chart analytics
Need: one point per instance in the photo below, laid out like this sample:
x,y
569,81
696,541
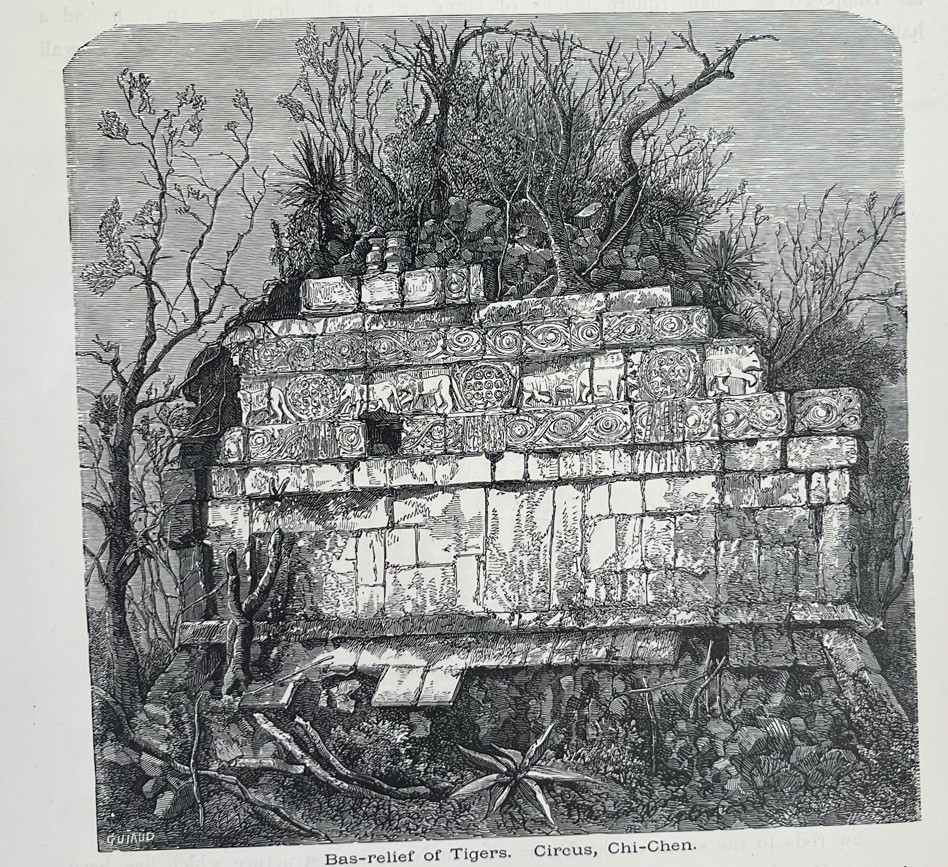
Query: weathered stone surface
x,y
382,291
738,571
595,463
827,411
763,490
569,428
695,536
842,487
543,467
681,493
329,295
825,452
625,498
670,372
323,566
758,456
639,299
485,432
424,287
401,546
778,573
296,479
421,590
733,367
674,421
658,542
735,524
785,523
405,472
292,442
468,569
519,530
566,577
837,554
753,646
535,309
452,470
370,473
348,512
754,417
457,287
370,559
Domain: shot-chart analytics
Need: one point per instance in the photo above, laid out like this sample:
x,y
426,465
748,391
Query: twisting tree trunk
x,y
240,629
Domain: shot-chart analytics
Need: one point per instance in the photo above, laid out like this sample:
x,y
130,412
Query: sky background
x,y
820,107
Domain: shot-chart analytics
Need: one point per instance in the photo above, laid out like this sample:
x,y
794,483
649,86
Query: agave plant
x,y
511,774
724,265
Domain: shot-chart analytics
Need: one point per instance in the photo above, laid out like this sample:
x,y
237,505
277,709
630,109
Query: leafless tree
x,y
188,197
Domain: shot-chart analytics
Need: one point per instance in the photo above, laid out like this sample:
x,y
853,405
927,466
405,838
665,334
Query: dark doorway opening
x,y
383,433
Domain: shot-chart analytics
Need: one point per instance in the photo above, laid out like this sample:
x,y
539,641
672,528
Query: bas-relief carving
x,y
265,404
761,415
570,428
669,372
485,385
549,384
733,368
829,410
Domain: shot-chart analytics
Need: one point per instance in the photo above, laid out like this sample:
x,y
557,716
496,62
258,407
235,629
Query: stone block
x,y
577,427
626,328
827,411
405,347
348,512
479,280
597,501
681,493
297,479
382,291
421,590
370,600
423,435
538,309
485,385
468,575
313,441
681,324
758,456
826,452
837,554
759,646
599,545
224,483
808,569
457,287
370,473
778,573
566,546
370,558
735,524
546,337
738,571
611,545
842,487
595,463
670,372
674,421
510,467
503,341
585,333
695,536
548,384
733,368
754,417
232,448
819,489
469,470
463,343
324,579
485,432
658,542
639,298
785,523
329,295
764,490
661,589
695,589
401,547
519,536
424,287
625,498
543,467
404,472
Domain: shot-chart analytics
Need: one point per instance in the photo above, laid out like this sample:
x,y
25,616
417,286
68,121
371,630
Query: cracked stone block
x,y
381,292
695,536
323,566
756,456
837,554
681,493
756,491
735,524
785,523
778,573
421,590
658,542
819,489
370,558
329,295
566,545
593,463
543,467
825,452
297,479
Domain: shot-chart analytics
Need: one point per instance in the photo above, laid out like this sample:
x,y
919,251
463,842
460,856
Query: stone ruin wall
x,y
590,462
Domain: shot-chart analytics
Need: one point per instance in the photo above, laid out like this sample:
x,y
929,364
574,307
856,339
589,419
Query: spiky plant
x,y
724,266
511,774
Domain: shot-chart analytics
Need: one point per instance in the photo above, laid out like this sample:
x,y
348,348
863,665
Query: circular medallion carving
x,y
485,385
313,396
669,373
